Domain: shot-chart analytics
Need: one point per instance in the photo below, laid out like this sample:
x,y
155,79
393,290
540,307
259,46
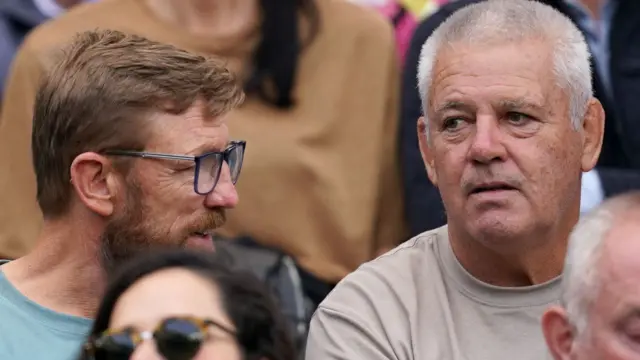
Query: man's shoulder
x,y
416,249
384,299
29,331
395,274
15,328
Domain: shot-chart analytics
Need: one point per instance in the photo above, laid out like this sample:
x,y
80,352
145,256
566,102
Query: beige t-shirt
x,y
417,302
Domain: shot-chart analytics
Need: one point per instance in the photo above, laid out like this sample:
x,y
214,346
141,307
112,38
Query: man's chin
x,y
203,242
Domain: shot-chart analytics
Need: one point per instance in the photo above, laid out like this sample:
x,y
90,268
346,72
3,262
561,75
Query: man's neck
x,y
208,17
536,259
63,272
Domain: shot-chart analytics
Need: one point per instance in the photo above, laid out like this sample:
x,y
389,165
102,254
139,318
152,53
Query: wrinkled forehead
x,y
495,72
191,132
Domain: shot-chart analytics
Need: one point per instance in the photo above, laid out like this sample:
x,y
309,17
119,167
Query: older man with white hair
x,y
599,317
510,124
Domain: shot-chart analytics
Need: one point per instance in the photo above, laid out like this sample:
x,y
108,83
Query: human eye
x,y
184,166
452,123
631,329
518,119
185,169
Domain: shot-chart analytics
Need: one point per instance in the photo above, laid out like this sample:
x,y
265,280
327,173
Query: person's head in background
x,y
510,124
131,148
599,316
182,305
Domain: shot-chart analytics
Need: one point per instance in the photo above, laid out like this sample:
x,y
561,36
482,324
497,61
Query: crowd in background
x,y
332,176
323,172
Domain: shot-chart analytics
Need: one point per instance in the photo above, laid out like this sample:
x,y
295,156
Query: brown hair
x,y
96,97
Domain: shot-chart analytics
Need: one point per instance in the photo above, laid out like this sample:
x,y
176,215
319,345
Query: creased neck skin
x,y
535,262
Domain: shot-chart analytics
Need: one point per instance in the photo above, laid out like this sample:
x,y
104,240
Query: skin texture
x,y
146,304
157,204
154,205
498,118
613,328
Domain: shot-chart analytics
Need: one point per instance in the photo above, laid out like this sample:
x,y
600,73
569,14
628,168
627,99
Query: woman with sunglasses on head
x,y
183,305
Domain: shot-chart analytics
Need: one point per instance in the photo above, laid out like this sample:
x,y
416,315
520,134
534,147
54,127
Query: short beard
x,y
131,232
126,234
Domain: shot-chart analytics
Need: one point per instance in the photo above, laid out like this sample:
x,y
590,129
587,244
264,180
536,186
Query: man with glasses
x,y
131,152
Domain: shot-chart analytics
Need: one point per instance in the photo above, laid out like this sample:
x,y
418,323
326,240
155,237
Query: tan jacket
x,y
320,181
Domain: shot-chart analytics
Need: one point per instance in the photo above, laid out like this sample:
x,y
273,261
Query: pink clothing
x,y
404,22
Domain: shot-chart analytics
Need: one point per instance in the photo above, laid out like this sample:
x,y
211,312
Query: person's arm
x,y
20,216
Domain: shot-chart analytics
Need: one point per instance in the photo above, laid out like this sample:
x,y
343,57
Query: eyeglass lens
x,y
176,339
116,347
211,167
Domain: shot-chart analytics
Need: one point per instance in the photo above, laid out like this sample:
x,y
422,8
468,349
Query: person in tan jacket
x,y
320,179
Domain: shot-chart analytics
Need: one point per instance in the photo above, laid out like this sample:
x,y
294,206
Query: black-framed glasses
x,y
176,338
208,167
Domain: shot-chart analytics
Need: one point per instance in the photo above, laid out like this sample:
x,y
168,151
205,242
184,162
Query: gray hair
x,y
580,282
495,21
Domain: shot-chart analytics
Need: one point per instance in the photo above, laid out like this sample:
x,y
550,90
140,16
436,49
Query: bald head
x,y
621,247
600,313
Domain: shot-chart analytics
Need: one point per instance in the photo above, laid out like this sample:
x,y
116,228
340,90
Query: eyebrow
x,y
509,104
520,103
453,105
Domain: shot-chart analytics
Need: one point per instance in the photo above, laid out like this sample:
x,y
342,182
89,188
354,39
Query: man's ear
x,y
593,130
95,182
425,151
558,332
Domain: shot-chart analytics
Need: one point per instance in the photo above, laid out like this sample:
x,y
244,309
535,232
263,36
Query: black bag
x,y
280,273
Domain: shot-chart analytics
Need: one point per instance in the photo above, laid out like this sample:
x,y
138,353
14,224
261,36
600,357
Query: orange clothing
x,y
320,181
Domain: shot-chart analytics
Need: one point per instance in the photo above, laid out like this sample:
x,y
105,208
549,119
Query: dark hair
x,y
98,94
276,58
261,330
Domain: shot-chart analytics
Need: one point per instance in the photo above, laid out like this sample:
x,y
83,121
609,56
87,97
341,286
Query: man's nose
x,y
224,195
487,141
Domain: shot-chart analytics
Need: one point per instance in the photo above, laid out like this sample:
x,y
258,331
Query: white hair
x,y
581,282
509,21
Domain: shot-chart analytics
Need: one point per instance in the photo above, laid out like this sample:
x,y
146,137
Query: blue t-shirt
x,y
29,331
